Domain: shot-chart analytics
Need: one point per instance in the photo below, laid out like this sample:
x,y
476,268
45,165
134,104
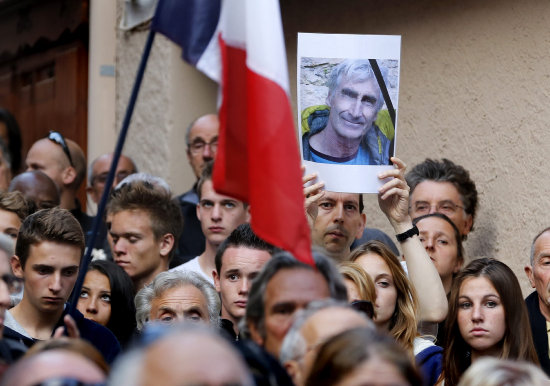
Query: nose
x,y
216,212
243,290
91,307
355,109
428,243
433,208
207,152
339,212
119,247
477,313
55,283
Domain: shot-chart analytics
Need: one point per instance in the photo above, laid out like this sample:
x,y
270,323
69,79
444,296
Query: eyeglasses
x,y
14,284
199,145
363,306
56,137
102,178
67,381
446,207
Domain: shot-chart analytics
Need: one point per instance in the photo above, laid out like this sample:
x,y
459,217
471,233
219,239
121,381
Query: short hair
x,y
168,280
242,236
165,214
342,354
122,321
156,181
532,254
446,171
255,312
55,225
15,202
14,139
361,70
294,345
489,371
206,175
458,236
403,326
517,343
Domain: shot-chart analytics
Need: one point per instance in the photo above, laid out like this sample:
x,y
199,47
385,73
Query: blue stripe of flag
x,y
188,23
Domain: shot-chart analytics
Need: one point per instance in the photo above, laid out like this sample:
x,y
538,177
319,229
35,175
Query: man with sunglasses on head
x,y
64,162
202,142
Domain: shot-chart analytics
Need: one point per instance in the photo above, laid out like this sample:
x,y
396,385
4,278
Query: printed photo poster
x,y
348,88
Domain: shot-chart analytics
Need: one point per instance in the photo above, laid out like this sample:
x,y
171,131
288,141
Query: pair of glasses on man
x,y
56,137
198,146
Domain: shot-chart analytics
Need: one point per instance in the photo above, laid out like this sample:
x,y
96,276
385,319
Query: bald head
x,y
202,141
36,187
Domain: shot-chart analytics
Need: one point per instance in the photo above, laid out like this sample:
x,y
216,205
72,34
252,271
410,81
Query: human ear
x,y
529,272
216,280
16,266
166,244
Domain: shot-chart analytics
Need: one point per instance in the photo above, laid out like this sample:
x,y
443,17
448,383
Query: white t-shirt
x,y
193,266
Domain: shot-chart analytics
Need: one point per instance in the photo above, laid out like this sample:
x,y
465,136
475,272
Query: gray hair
x,y
255,312
360,70
294,345
158,182
489,371
168,280
532,254
92,164
128,368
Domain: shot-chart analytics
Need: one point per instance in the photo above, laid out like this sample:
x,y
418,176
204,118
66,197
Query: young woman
x,y
397,304
487,317
107,297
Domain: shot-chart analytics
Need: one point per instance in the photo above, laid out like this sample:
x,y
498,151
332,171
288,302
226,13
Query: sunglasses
x,y
56,137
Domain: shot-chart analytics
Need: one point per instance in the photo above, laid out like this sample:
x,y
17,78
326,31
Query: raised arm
x,y
393,198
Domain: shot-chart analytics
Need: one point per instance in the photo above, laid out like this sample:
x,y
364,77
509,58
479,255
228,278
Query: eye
x,y
229,205
465,305
84,294
133,239
422,207
13,235
326,205
106,298
233,277
491,304
447,207
421,238
44,270
207,204
69,272
167,318
442,242
383,283
350,207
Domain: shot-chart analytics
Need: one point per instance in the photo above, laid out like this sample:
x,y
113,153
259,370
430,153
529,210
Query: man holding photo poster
x,y
351,128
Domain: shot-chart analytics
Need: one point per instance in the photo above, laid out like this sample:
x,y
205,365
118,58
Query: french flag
x,y
240,45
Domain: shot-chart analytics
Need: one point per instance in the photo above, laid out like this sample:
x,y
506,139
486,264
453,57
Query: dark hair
x,y
206,175
242,236
255,310
14,139
55,224
164,213
517,342
458,236
122,321
446,171
341,354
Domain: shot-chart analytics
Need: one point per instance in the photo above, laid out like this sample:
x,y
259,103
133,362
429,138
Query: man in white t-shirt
x,y
219,216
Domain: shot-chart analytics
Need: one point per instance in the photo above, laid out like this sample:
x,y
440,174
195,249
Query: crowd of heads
x,y
243,311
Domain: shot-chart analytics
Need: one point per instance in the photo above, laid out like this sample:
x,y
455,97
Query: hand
x,y
70,325
393,196
312,195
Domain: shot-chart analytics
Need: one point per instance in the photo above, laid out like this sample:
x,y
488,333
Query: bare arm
x,y
393,198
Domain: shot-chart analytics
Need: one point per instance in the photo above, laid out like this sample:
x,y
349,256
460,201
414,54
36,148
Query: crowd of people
x,y
182,291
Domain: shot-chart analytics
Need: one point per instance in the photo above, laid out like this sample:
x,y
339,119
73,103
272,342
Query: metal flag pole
x,y
111,176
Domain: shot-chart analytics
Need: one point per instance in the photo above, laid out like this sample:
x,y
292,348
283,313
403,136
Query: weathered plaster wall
x,y
474,88
475,82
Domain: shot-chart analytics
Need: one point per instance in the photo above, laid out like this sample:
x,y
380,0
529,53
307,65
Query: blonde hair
x,y
403,321
365,286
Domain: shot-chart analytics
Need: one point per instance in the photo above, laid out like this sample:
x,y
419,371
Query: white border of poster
x,y
339,47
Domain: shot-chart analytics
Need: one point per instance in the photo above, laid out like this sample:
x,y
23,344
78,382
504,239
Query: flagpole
x,y
98,219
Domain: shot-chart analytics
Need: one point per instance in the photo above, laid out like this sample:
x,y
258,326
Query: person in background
x,y
37,188
10,133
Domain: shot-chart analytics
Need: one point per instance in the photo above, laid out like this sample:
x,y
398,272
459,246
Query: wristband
x,y
405,235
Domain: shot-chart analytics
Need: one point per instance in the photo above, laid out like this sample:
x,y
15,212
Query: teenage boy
x,y
47,257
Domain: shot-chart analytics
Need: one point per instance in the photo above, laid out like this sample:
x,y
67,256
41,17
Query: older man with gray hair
x,y
312,326
178,296
343,131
